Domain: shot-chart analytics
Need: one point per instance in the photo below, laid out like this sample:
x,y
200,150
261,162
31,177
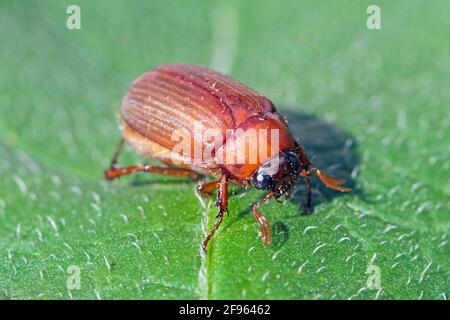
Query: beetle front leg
x,y
308,207
263,223
222,202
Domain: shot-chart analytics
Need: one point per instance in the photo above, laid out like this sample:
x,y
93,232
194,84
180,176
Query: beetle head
x,y
278,175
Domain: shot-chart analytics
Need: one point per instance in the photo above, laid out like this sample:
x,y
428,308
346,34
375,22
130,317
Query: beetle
x,y
173,98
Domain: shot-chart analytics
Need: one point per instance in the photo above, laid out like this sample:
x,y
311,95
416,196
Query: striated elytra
x,y
199,122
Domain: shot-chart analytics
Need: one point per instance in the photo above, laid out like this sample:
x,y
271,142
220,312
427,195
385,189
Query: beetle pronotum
x,y
174,98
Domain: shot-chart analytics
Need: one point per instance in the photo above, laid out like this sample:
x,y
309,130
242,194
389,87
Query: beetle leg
x,y
308,206
116,154
206,189
114,173
223,205
263,223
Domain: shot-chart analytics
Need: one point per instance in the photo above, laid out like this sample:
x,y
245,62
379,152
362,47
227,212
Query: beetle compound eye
x,y
292,162
263,181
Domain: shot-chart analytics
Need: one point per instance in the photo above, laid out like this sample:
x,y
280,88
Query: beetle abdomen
x,y
151,149
175,97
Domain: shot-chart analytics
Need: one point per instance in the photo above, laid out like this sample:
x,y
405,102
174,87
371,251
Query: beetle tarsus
x,y
116,154
213,231
308,206
222,201
263,223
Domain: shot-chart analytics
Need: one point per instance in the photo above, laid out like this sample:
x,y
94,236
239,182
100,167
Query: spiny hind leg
x,y
114,172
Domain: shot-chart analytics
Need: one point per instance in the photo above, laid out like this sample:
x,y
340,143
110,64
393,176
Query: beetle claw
x,y
222,212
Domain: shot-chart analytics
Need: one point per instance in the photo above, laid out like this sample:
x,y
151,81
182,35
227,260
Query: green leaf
x,y
368,105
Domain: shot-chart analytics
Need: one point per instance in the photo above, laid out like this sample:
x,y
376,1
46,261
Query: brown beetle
x,y
174,98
